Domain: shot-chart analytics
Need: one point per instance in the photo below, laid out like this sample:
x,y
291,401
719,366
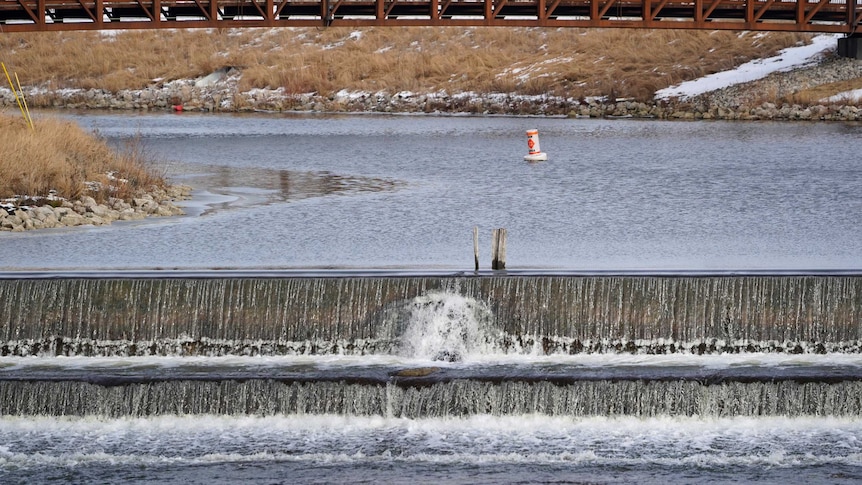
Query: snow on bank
x,y
846,97
787,59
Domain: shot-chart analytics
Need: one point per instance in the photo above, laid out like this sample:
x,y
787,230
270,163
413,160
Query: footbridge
x,y
835,16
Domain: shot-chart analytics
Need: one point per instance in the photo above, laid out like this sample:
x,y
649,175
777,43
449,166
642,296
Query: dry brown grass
x,y
575,62
824,91
59,155
129,60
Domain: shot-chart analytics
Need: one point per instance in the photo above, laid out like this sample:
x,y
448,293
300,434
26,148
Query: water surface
x,y
383,192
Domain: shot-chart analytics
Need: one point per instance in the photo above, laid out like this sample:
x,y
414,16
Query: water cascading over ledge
x,y
367,315
457,398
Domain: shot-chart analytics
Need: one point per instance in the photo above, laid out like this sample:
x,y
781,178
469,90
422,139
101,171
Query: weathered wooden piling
x,y
476,246
498,248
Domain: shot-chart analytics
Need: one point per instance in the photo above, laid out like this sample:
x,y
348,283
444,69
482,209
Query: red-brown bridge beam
x,y
842,16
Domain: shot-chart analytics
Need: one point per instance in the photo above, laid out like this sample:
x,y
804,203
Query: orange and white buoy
x,y
535,153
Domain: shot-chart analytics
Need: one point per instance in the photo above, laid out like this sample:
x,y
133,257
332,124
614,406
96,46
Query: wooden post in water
x,y
498,248
494,248
476,246
501,251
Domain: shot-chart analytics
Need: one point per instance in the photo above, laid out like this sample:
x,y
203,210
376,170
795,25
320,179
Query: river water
x,y
384,192
340,372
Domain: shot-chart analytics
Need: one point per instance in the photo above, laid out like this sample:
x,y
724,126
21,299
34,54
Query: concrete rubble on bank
x,y
57,212
218,92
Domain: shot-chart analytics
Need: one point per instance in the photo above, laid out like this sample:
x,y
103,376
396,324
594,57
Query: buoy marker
x,y
535,153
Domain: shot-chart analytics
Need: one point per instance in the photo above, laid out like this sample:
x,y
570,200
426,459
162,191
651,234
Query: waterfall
x,y
456,398
457,321
565,314
445,326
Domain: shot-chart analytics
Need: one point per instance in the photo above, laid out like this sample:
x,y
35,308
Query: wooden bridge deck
x,y
838,16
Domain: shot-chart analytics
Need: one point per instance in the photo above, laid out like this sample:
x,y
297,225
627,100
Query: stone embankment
x,y
762,99
771,98
55,212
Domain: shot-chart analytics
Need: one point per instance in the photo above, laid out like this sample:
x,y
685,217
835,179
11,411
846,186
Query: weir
x,y
430,347
451,399
369,315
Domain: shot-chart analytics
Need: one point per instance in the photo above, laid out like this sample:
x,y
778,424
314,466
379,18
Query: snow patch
x,y
847,97
787,59
351,95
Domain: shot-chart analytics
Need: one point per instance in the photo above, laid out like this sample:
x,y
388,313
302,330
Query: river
x,y
682,304
391,192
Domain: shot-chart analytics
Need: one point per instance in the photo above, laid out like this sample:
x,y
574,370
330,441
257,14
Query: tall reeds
x,y
58,155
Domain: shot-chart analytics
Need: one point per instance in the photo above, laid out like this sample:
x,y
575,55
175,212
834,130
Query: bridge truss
x,y
837,16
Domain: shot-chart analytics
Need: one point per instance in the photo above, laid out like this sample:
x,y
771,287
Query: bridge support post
x,y
99,13
850,47
157,11
41,13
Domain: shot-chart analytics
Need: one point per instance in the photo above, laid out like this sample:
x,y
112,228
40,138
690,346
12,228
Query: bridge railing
x,y
841,16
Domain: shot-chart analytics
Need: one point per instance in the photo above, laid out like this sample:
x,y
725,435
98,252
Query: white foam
x,y
327,362
445,323
528,439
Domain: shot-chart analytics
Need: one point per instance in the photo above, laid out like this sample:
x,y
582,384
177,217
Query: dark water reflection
x,y
244,187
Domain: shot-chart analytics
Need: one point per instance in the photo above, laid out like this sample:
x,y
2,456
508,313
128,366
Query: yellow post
x,y
14,92
24,99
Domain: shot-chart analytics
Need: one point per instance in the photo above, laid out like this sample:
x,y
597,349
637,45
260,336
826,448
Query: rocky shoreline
x,y
764,99
51,212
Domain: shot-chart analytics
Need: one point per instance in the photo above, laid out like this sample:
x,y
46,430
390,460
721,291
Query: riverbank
x,y
53,212
777,96
544,72
822,88
53,174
